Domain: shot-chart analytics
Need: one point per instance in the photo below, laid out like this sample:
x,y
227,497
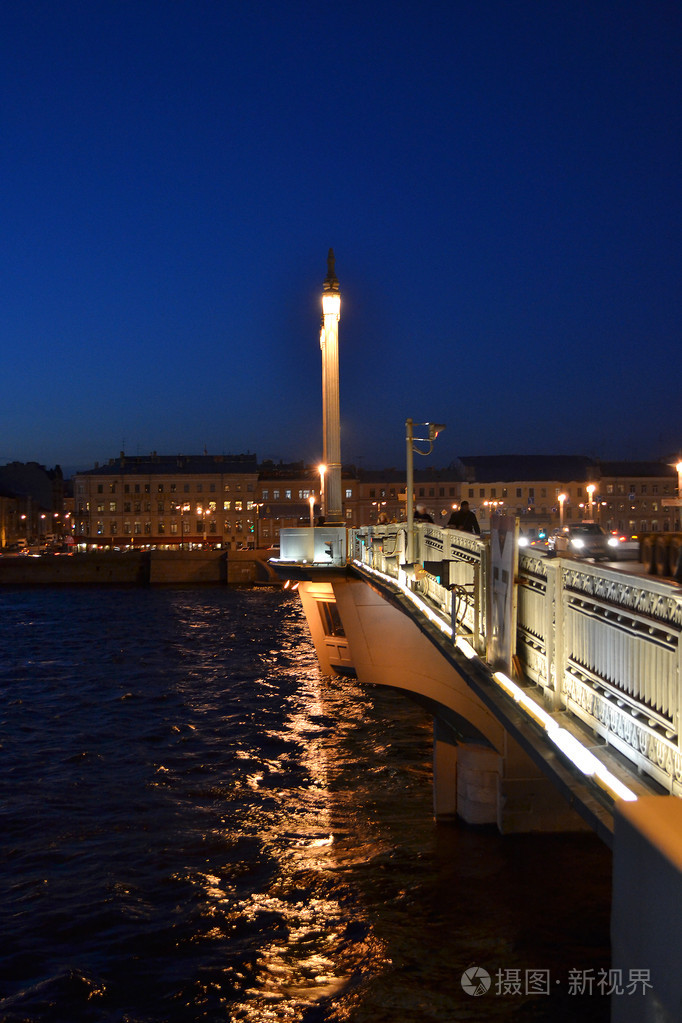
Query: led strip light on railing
x,y
416,600
571,747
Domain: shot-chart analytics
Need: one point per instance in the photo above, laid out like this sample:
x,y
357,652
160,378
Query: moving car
x,y
583,540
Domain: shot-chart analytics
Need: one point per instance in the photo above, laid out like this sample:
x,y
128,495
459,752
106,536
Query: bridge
x,y
555,687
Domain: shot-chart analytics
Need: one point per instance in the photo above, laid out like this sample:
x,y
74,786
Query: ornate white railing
x,y
602,644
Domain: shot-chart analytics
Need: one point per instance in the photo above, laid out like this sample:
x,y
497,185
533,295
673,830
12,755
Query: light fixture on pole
x,y
562,498
590,491
410,441
257,505
311,502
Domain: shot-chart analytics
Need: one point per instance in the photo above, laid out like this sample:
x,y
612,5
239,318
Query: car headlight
x,y
523,541
613,541
578,543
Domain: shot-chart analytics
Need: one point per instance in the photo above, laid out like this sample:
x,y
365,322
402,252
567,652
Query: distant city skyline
x,y
500,184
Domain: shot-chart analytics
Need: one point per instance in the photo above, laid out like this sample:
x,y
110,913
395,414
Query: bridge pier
x,y
480,773
483,786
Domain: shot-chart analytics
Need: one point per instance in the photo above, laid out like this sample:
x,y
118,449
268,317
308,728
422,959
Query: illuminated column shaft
x,y
331,305
324,399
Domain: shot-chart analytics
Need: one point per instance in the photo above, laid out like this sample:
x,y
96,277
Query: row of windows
x,y
139,527
170,488
581,492
422,492
279,493
631,489
146,506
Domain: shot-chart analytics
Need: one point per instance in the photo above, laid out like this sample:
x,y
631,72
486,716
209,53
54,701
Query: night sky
x,y
500,181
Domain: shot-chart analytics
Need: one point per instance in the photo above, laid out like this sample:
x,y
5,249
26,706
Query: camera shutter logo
x,y
476,981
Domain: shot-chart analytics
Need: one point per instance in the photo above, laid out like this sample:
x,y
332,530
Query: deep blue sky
x,y
501,183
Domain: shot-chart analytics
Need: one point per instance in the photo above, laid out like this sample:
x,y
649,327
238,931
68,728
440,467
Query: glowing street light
x,y
590,491
311,502
562,498
322,470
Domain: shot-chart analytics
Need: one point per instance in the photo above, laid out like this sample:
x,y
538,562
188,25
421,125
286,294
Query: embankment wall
x,y
139,568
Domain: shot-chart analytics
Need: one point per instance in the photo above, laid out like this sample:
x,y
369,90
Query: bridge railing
x,y
603,645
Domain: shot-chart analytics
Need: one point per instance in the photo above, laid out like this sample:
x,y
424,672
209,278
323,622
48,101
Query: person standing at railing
x,y
464,520
421,514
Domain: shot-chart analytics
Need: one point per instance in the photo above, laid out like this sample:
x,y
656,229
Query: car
x,y
535,539
623,547
587,540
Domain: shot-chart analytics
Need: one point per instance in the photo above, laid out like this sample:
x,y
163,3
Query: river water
x,y
196,825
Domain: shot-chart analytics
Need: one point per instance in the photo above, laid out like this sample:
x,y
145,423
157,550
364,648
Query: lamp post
x,y
562,498
590,493
322,468
410,441
311,503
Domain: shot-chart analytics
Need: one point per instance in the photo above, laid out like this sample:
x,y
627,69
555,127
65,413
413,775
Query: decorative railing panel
x,y
602,644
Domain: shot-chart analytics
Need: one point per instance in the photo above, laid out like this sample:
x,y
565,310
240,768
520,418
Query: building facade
x,y
31,503
166,500
232,501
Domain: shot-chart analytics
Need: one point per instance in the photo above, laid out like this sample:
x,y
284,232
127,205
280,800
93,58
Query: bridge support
x,y
481,774
481,786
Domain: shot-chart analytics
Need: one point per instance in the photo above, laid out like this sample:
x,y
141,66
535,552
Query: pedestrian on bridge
x,y
464,520
421,514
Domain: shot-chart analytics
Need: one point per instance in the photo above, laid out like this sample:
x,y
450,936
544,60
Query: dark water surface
x,y
195,824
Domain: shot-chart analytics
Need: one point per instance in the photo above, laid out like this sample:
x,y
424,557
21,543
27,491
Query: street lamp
x,y
562,498
311,502
322,470
378,505
410,441
257,505
590,491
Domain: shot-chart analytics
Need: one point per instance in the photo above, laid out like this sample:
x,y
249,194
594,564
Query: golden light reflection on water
x,y
308,836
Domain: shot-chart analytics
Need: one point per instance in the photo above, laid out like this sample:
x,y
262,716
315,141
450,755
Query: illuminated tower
x,y
331,416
